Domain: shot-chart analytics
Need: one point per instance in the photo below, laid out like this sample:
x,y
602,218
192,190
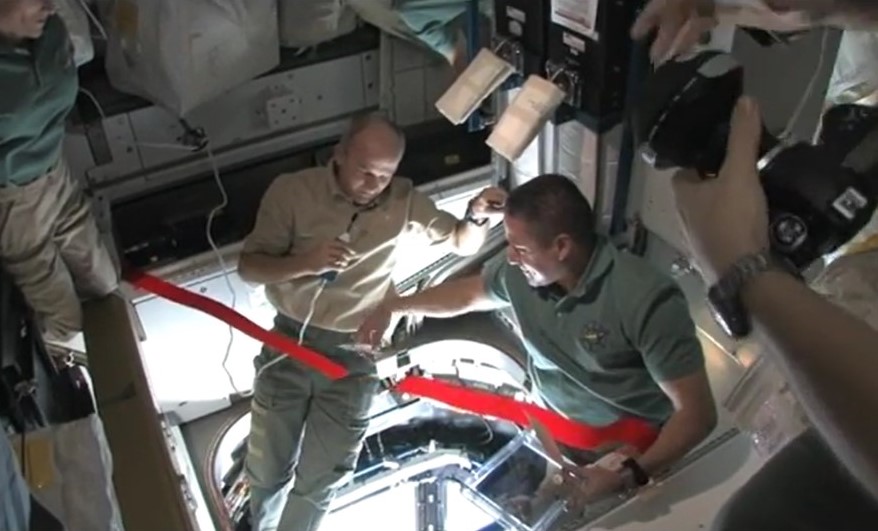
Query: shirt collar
x,y
602,258
14,48
26,46
599,264
332,182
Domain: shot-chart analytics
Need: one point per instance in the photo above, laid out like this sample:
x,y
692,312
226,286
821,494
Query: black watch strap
x,y
724,297
638,475
470,218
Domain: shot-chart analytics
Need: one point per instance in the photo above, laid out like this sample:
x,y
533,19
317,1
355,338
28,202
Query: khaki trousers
x,y
306,432
51,246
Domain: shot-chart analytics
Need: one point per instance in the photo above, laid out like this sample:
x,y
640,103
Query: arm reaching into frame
x,y
679,24
828,355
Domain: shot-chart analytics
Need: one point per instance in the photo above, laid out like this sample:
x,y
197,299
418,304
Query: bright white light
x,y
401,503
184,348
410,263
393,510
462,514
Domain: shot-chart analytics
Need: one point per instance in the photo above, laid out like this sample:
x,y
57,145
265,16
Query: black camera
x,y
819,196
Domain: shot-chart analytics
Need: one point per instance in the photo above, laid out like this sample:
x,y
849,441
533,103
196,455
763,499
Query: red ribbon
x,y
628,430
279,342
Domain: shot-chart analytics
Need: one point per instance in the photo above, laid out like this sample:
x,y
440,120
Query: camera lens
x,y
788,232
819,196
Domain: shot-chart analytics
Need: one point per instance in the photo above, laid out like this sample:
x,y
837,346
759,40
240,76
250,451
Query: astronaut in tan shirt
x,y
324,244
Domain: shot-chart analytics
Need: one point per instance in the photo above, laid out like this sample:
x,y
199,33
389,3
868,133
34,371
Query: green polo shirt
x,y
597,353
38,85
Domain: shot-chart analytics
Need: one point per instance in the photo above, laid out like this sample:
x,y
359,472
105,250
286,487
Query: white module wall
x,y
275,106
412,79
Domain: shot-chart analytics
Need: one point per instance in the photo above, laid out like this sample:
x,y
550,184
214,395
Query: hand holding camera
x,y
751,201
818,196
726,218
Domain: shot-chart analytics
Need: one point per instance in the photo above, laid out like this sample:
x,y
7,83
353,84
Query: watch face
x,y
628,478
728,312
633,474
719,319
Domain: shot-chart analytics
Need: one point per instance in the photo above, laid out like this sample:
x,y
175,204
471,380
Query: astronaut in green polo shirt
x,y
608,336
49,242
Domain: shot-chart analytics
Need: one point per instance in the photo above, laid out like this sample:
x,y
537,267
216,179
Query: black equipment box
x,y
525,22
589,56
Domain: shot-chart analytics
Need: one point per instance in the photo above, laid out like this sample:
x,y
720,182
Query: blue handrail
x,y
638,66
475,122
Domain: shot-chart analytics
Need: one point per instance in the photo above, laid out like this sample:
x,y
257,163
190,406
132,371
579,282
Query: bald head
x,y
367,156
377,128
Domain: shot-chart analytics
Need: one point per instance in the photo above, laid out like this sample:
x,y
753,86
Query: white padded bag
x,y
180,54
855,74
305,23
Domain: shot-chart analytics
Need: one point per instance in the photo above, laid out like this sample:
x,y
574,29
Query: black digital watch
x,y
635,476
469,217
724,297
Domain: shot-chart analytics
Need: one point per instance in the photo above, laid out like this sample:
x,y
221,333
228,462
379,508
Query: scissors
x,y
367,350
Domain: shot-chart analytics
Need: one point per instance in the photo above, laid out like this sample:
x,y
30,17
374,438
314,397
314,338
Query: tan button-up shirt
x,y
302,210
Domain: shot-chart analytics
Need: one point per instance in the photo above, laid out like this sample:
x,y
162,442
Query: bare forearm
x,y
266,269
795,15
759,16
830,358
450,299
683,431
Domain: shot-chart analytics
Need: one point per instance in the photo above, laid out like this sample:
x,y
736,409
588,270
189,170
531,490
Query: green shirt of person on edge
x,y
39,85
49,242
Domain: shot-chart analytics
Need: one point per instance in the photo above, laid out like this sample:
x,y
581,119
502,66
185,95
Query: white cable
x,y
305,323
95,101
276,360
208,227
154,145
797,113
311,309
94,19
165,146
219,257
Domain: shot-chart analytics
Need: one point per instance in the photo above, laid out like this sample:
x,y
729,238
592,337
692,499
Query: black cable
x,y
23,454
639,64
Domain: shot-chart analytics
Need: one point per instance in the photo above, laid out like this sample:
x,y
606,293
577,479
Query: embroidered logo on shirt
x,y
594,335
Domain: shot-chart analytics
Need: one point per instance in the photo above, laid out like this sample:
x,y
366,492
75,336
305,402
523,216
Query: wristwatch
x,y
633,474
469,217
724,297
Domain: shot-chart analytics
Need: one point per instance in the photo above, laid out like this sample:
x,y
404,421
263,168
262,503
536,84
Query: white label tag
x,y
573,42
516,29
516,14
849,203
576,15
